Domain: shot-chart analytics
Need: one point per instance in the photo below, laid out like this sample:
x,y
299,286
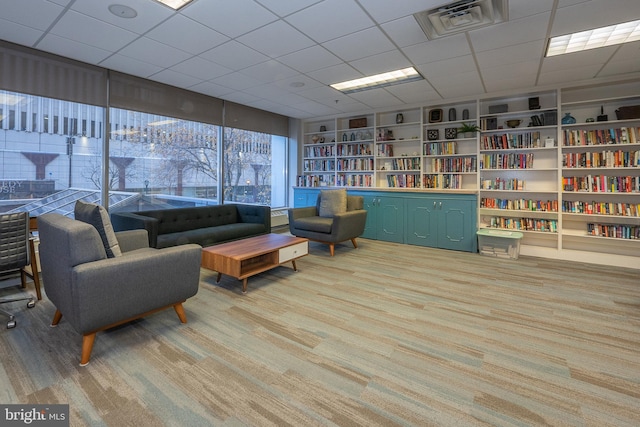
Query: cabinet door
x,y
370,225
422,219
456,225
390,219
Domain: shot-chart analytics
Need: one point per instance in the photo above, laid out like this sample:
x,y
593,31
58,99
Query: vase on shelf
x,y
568,119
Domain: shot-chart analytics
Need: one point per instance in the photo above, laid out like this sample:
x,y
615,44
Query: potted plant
x,y
468,129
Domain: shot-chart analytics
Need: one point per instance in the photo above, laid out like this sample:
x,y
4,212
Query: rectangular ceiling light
x,y
175,4
379,80
598,37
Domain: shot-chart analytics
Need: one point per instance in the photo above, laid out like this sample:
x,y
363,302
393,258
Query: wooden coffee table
x,y
247,257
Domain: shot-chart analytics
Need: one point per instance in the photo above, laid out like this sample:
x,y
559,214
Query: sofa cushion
x,y
97,216
314,223
210,236
332,202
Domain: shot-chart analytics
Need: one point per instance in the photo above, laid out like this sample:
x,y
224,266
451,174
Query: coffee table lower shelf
x,y
247,257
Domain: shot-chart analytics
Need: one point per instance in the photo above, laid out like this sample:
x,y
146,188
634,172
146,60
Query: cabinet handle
x,y
440,206
434,204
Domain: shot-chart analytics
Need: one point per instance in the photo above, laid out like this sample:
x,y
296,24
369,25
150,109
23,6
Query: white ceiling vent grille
x,y
460,16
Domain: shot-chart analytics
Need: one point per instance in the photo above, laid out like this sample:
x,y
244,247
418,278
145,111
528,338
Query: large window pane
x,y
254,167
167,161
46,161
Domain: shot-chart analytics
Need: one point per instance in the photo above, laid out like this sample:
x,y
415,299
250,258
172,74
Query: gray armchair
x,y
336,218
95,292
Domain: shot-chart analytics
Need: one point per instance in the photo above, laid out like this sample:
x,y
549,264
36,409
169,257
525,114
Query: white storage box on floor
x,y
499,243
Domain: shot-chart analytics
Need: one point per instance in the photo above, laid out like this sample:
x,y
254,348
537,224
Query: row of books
x,y
319,151
603,159
519,204
442,181
506,161
385,150
602,184
503,184
614,231
511,140
354,180
454,164
356,164
319,165
601,208
402,164
316,180
439,148
354,150
622,135
528,224
403,181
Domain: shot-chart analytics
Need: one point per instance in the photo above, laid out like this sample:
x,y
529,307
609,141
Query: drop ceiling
x,y
281,55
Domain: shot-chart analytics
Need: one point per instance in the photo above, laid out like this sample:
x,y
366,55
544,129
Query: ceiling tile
x,y
448,67
231,18
335,74
276,39
593,14
574,75
405,31
360,45
234,55
129,65
511,82
211,89
72,49
309,59
578,59
147,50
330,19
198,39
511,54
385,10
437,50
149,15
87,30
414,92
200,68
509,33
284,8
237,81
381,63
376,98
521,8
19,34
269,71
465,85
47,14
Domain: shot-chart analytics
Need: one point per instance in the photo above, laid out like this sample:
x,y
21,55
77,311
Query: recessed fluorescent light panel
x,y
175,4
598,37
379,80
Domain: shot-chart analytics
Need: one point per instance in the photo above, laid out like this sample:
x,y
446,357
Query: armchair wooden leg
x,y
332,248
355,245
87,346
180,312
56,318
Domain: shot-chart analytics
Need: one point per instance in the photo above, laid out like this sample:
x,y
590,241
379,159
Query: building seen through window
x,y
51,152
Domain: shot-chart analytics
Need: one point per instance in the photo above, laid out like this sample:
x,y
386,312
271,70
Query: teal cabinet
x,y
446,222
303,197
438,220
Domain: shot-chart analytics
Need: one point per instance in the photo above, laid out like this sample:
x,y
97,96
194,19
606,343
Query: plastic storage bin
x,y
499,243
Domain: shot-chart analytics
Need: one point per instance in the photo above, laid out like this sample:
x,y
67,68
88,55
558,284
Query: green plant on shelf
x,y
468,128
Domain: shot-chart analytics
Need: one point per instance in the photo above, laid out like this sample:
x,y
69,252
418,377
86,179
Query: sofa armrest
x,y
296,213
255,214
122,221
150,278
131,240
349,224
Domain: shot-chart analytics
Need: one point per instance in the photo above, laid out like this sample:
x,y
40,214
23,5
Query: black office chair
x,y
14,255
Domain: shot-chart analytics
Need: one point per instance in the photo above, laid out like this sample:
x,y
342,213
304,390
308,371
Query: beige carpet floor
x,y
383,335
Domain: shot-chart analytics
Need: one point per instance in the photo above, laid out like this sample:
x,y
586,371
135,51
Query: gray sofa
x,y
203,225
95,291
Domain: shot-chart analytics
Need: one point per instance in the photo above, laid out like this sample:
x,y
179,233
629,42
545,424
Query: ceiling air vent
x,y
460,16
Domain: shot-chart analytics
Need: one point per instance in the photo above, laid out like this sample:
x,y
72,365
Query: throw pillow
x,y
332,202
97,216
